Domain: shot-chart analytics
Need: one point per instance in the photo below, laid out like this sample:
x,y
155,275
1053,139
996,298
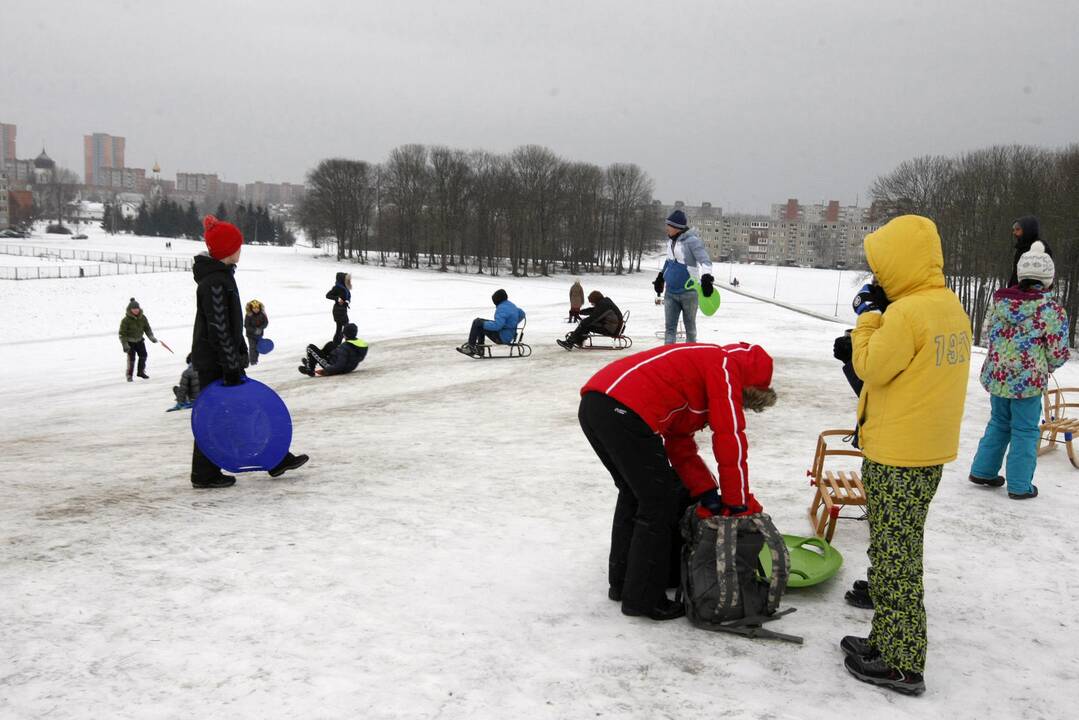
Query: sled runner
x,y
517,348
609,342
1055,404
835,489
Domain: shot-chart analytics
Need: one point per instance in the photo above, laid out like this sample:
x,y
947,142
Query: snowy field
x,y
444,553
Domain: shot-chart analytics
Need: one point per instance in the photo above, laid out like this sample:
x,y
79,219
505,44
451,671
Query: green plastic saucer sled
x,y
812,560
707,303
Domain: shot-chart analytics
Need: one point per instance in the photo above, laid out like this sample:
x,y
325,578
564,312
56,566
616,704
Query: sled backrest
x,y
520,337
625,321
824,452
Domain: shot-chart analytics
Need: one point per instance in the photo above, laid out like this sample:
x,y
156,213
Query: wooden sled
x,y
1055,404
835,489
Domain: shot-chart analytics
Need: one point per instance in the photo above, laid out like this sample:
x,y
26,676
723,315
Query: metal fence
x,y
107,263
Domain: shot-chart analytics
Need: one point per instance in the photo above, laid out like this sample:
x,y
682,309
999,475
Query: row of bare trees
x,y
974,198
528,211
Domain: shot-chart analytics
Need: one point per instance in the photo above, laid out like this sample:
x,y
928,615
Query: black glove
x,y
711,502
233,377
843,349
706,284
658,283
870,298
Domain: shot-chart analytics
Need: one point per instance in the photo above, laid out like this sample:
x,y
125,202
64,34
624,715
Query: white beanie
x,y
1034,264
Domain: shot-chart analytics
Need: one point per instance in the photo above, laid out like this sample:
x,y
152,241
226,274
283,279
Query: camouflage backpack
x,y
723,583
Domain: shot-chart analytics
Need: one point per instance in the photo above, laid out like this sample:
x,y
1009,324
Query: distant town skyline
x,y
735,103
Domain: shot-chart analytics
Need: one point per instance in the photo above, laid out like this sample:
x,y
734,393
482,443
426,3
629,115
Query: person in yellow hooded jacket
x,y
911,348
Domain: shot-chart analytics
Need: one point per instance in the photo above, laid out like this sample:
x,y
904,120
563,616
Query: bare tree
x,y
340,199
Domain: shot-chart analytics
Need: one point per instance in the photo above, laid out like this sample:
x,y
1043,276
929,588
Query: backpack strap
x,y
780,559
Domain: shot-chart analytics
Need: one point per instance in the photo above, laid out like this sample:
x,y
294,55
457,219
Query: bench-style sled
x,y
1055,404
835,489
609,342
517,348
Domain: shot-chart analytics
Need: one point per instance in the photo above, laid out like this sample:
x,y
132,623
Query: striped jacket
x,y
678,390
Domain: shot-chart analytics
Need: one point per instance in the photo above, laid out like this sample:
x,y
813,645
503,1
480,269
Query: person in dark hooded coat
x,y
341,294
1025,231
218,351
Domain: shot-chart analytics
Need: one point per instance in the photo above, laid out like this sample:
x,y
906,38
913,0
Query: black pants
x,y
253,349
139,349
477,334
203,467
650,497
340,317
589,324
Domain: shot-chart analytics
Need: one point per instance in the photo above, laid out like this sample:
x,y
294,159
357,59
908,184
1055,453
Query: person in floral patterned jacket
x,y
1028,339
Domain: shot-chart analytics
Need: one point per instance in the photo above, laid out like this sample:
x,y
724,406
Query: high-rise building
x,y
3,201
198,183
7,144
101,151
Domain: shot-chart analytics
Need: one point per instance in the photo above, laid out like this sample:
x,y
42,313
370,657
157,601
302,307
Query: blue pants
x,y
1012,423
684,304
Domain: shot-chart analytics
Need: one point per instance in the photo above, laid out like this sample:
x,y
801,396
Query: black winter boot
x,y
987,482
220,480
291,462
666,610
854,645
875,672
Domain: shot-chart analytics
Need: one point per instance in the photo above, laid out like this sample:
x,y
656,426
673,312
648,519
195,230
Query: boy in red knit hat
x,y
218,351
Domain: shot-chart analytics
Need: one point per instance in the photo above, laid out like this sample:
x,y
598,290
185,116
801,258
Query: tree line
x,y
528,211
165,218
975,197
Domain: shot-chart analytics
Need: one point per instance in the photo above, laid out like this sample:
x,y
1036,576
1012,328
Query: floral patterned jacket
x,y
1028,339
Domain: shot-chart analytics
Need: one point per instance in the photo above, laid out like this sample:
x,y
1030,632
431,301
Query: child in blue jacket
x,y
1028,340
501,330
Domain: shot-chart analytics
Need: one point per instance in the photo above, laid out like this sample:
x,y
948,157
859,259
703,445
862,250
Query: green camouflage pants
x,y
898,501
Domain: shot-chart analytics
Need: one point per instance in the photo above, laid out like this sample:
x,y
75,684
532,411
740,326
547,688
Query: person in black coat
x,y
341,294
1025,231
218,351
603,317
340,360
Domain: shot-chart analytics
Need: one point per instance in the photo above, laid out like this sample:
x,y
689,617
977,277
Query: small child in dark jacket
x,y
341,360
255,322
188,389
341,294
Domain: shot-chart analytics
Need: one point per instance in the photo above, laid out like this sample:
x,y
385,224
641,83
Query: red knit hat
x,y
222,238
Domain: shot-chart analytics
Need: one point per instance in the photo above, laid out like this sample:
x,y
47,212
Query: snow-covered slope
x,y
444,552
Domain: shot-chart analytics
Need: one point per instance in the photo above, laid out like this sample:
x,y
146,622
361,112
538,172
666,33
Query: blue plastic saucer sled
x,y
241,428
265,346
812,560
707,303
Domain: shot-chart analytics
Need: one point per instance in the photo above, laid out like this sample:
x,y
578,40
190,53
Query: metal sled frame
x,y
1055,404
834,489
747,627
618,342
517,348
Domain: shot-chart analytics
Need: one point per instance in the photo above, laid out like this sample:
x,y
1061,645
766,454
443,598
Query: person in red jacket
x,y
640,414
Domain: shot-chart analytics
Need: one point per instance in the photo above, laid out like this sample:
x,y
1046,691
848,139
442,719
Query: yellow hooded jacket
x,y
915,357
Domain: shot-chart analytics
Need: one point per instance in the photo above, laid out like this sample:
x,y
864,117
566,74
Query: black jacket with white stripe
x,y
217,345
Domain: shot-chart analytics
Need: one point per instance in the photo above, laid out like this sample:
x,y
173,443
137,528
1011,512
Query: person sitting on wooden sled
x,y
343,359
640,414
603,318
502,330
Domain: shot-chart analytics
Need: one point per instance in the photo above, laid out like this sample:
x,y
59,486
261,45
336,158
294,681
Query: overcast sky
x,y
738,103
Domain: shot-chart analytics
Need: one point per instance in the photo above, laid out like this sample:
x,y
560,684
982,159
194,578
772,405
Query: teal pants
x,y
897,499
1013,427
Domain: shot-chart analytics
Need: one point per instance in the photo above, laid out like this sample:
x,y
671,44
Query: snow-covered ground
x,y
444,552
